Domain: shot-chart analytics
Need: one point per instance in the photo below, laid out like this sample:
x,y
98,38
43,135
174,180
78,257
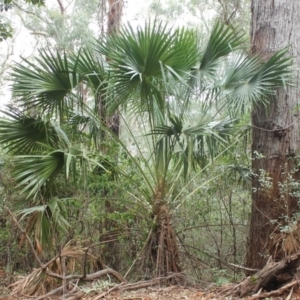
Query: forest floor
x,y
180,293
156,293
151,293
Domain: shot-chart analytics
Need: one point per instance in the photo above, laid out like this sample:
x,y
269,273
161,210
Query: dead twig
x,y
58,290
243,268
51,293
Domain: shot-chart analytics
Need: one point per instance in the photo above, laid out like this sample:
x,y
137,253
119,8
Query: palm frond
x,y
45,221
45,84
35,172
23,134
252,81
136,61
91,66
87,123
223,40
193,145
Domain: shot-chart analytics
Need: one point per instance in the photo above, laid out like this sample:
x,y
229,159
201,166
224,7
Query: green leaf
x,y
136,60
46,83
23,134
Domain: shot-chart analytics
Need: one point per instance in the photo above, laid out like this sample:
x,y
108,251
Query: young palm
x,y
159,73
48,94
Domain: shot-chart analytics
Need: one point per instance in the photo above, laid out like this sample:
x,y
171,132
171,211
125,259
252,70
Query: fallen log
x,y
272,277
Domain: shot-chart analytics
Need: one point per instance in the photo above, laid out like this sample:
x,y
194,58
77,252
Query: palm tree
x,y
187,95
159,72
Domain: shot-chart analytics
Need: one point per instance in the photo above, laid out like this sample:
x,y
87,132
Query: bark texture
x,y
161,253
114,15
276,134
111,230
113,27
273,276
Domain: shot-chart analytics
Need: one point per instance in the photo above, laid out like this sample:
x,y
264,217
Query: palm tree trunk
x,y
276,135
161,252
164,248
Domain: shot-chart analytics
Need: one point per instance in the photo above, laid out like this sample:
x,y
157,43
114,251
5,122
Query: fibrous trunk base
x,y
161,255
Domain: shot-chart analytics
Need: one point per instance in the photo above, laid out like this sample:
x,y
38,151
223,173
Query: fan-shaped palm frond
x,y
45,83
89,124
23,134
44,221
191,145
91,66
222,41
249,80
35,172
139,59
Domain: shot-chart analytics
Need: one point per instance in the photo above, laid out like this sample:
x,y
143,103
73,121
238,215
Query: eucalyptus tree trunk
x,y
114,17
113,27
276,136
111,230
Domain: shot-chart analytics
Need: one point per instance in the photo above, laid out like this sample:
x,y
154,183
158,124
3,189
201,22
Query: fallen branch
x,y
88,277
147,283
73,294
51,293
277,292
274,274
243,268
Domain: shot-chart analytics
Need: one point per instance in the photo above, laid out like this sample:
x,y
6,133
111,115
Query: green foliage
x,y
33,2
201,14
45,220
23,134
184,101
66,28
137,60
45,85
6,30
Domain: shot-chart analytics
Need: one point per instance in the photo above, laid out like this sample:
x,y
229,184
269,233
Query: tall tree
x,y
113,26
114,15
276,136
112,121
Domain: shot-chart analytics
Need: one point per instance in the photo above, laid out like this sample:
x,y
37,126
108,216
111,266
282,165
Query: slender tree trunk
x,y
114,15
276,134
110,228
113,26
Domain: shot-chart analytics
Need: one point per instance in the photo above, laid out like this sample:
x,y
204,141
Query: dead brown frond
x,y
285,242
33,284
38,282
